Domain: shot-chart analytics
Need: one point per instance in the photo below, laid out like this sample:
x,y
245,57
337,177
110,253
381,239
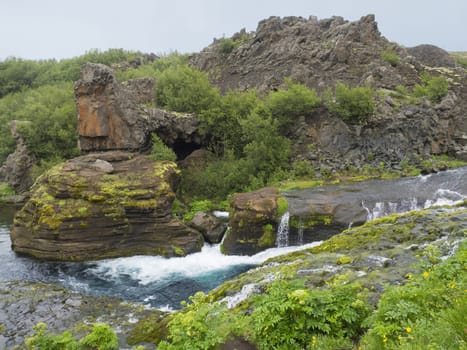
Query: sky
x,y
43,29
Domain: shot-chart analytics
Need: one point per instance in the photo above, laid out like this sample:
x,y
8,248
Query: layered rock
x,y
117,116
103,205
16,170
253,222
315,52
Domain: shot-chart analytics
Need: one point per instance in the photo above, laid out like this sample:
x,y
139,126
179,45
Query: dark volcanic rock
x,y
24,304
103,205
315,52
432,56
16,170
212,228
253,222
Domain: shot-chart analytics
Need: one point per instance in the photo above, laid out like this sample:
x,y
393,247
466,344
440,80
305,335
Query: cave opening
x,y
183,149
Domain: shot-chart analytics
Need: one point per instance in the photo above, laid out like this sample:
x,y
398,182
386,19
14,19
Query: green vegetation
x,y
226,45
353,105
391,57
347,305
294,101
433,87
102,337
40,95
460,58
5,191
184,89
160,151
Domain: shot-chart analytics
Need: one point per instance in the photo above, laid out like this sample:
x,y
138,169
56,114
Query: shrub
x,y
102,337
296,100
391,57
353,105
226,45
182,88
290,316
435,88
160,151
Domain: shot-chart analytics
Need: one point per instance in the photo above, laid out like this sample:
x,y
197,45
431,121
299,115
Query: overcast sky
x,y
40,29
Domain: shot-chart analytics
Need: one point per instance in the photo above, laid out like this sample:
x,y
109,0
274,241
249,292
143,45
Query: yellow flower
x,y
425,274
408,330
385,339
409,276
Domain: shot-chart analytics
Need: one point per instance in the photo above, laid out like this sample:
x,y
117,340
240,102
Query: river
x,y
164,283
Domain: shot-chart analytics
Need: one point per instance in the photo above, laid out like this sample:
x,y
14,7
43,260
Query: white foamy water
x,y
149,269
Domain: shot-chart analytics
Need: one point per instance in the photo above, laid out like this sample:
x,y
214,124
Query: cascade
x,y
282,239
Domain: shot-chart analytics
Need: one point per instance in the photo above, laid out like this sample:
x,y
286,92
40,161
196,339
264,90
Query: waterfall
x,y
282,239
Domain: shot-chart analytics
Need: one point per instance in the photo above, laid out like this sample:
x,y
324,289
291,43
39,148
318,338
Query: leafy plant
x,y
435,88
391,57
160,151
202,325
353,105
226,45
102,337
182,88
295,100
289,315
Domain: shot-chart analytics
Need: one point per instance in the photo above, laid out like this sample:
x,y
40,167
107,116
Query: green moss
x,y
343,260
310,221
268,237
151,329
282,206
178,250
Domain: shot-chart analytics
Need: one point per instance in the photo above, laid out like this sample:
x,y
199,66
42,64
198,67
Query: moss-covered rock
x,y
104,205
253,222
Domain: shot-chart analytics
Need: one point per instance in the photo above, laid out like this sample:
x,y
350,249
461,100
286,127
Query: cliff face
x,y
103,205
315,52
320,53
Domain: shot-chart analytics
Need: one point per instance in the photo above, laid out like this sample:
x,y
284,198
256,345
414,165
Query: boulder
x,y
16,170
253,222
104,205
211,227
432,56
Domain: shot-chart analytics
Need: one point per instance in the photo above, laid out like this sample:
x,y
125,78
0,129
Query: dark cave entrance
x,y
183,149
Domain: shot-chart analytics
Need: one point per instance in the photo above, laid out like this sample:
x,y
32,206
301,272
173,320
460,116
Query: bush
x,y
290,316
226,45
428,312
184,89
353,105
160,151
435,88
391,57
102,337
296,100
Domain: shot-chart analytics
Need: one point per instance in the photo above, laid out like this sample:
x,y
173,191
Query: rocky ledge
x,y
104,205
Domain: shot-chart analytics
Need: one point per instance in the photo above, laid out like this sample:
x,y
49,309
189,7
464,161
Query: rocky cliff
x,y
320,53
103,205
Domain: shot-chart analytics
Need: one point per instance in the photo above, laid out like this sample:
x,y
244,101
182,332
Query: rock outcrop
x,y
252,223
315,52
108,111
432,56
103,205
320,53
117,116
211,227
16,170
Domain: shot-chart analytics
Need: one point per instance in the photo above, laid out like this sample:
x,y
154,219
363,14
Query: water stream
x,y
163,283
